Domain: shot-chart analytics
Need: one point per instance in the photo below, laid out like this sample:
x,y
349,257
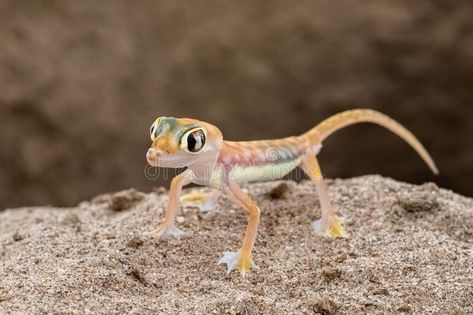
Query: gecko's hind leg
x,y
329,224
205,201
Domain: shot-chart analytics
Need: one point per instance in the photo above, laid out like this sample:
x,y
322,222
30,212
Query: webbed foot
x,y
235,260
205,201
331,227
166,230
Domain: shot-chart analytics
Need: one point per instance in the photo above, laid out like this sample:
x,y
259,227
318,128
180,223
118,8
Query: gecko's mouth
x,y
158,158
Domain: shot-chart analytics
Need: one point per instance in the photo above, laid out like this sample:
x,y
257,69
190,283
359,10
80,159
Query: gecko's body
x,y
220,164
257,160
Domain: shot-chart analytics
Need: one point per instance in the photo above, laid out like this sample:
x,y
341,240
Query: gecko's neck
x,y
202,169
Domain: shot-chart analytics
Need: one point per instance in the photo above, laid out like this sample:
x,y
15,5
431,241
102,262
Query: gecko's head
x,y
180,142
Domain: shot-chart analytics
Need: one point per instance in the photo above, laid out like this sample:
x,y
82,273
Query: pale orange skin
x,y
226,164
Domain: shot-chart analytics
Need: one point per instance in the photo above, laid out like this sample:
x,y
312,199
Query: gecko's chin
x,y
161,162
153,163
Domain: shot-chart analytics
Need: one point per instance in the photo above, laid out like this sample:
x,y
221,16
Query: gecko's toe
x,y
235,260
320,228
204,207
231,259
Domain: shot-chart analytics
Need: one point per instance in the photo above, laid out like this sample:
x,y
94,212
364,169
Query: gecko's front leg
x,y
168,227
242,259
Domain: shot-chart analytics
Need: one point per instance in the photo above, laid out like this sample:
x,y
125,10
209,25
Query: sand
x,y
409,250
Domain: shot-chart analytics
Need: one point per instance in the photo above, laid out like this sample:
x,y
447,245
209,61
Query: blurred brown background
x,y
81,82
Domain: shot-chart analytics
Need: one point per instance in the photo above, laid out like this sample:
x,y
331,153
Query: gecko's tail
x,y
350,117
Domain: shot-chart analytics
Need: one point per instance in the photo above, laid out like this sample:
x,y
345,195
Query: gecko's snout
x,y
152,156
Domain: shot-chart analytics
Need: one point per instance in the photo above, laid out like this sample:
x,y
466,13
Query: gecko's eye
x,y
157,128
151,132
193,140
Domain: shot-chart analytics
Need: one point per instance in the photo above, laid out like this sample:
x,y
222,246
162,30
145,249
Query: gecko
x,y
224,166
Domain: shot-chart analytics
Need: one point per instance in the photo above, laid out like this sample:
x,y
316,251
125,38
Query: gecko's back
x,y
249,161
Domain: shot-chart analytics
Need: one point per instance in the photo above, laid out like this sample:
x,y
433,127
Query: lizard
x,y
223,165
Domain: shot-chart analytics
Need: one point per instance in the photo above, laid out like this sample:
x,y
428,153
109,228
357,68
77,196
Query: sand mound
x,y
410,249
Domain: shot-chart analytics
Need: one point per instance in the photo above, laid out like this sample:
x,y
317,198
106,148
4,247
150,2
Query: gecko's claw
x,y
205,201
166,230
235,260
331,228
